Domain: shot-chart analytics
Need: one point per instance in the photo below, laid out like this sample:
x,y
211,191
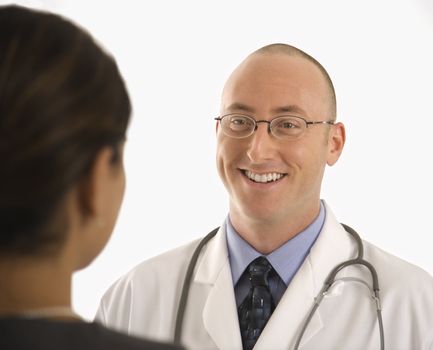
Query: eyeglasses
x,y
286,127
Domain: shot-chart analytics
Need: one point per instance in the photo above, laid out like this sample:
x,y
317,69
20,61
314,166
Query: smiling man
x,y
255,281
274,172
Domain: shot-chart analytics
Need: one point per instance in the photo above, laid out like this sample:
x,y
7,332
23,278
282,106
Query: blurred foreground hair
x,y
62,99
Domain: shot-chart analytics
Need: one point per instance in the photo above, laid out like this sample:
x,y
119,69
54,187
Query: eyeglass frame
x,y
256,122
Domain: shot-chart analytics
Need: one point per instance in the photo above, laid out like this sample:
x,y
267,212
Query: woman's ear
x,y
336,141
89,189
100,195
94,189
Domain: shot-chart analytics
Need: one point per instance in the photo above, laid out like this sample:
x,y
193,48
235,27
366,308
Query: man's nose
x,y
261,144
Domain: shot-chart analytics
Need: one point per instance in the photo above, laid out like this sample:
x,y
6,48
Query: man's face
x,y
264,87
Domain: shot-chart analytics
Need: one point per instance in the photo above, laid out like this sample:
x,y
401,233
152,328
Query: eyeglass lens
x,y
239,126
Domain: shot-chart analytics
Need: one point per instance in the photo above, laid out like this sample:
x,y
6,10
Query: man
x,y
255,282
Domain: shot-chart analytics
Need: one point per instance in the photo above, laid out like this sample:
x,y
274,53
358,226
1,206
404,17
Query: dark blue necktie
x,y
255,311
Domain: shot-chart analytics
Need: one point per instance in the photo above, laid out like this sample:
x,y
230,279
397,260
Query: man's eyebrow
x,y
237,106
289,109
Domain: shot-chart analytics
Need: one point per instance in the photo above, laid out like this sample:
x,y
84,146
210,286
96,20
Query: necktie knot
x,y
259,270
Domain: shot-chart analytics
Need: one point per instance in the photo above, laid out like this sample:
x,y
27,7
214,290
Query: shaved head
x,y
289,50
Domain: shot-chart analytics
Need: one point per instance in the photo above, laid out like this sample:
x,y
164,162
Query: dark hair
x,y
62,99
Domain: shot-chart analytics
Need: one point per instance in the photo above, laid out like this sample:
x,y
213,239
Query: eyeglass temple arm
x,y
330,122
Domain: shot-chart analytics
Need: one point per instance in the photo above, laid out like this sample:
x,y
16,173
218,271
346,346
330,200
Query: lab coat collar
x,y
220,318
219,313
332,246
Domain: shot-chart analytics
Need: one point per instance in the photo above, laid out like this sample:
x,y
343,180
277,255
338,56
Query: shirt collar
x,y
286,259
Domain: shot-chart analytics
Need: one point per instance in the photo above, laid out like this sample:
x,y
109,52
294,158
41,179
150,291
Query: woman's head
x,y
64,110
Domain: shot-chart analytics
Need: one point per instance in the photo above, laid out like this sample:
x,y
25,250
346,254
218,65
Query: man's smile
x,y
264,177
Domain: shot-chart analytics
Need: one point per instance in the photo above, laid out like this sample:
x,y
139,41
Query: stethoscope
x,y
329,282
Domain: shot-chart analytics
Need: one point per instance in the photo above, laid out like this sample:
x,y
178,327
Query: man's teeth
x,y
263,178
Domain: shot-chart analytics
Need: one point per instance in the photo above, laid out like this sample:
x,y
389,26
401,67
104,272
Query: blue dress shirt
x,y
286,259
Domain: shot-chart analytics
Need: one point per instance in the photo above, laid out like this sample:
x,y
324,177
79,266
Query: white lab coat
x,y
144,302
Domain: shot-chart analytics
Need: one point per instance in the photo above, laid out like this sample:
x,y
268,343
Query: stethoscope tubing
x,y
329,281
186,285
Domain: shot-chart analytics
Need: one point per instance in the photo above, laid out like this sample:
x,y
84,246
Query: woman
x,y
64,111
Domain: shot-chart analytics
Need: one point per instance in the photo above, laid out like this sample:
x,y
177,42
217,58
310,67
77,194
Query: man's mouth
x,y
263,178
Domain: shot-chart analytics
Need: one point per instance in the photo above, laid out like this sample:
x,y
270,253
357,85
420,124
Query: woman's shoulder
x,y
35,334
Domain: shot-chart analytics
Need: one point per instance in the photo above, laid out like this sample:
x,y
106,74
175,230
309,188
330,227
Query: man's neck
x,y
267,235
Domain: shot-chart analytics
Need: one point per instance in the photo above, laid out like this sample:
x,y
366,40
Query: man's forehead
x,y
276,65
278,75
283,109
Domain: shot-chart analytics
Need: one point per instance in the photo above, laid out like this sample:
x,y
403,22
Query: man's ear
x,y
91,188
336,141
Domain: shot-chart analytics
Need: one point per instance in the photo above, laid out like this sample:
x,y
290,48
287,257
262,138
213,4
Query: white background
x,y
175,57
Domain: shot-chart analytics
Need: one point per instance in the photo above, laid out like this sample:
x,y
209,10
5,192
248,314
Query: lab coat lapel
x,y
219,313
332,247
283,326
